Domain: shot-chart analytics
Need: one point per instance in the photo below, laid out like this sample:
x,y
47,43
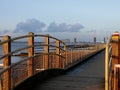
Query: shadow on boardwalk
x,y
88,75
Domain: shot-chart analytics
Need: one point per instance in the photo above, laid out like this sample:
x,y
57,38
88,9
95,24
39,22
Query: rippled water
x,y
16,46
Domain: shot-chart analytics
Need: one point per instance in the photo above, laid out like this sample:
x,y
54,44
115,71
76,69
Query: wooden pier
x,y
85,76
14,74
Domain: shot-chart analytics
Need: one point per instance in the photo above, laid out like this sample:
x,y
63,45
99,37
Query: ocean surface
x,y
18,45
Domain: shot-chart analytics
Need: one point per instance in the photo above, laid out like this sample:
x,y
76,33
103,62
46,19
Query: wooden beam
x,y
46,50
115,60
31,53
58,53
6,63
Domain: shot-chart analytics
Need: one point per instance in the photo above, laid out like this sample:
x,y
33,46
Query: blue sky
x,y
87,18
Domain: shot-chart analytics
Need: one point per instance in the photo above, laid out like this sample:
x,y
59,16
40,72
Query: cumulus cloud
x,y
63,27
30,25
53,27
36,26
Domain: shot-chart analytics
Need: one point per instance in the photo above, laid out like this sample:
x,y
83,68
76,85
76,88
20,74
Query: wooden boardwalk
x,y
88,75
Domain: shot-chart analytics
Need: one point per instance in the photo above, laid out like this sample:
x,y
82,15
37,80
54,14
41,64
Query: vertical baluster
x,y
106,66
65,55
46,50
78,54
6,63
30,53
71,56
115,59
66,58
58,53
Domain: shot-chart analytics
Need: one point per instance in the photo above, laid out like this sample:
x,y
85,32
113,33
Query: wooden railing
x,y
54,55
112,63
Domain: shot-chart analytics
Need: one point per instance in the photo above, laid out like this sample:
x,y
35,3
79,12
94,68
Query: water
x,y
17,46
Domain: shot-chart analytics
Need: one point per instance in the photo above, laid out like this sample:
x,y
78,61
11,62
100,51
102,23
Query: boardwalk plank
x,y
89,75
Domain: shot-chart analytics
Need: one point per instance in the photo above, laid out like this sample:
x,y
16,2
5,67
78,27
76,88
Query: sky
x,y
64,19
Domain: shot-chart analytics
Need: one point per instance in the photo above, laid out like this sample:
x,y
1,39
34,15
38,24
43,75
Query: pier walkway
x,y
44,56
86,76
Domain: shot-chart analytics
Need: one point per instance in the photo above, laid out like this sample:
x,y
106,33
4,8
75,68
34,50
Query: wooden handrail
x,y
112,83
12,74
8,53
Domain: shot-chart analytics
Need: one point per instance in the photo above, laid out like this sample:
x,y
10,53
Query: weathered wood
x,y
58,53
6,63
46,50
107,57
87,76
30,53
115,60
64,59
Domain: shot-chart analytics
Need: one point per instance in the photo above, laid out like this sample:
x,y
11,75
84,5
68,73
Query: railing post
x,y
65,59
115,59
6,63
46,50
58,53
71,56
106,66
30,53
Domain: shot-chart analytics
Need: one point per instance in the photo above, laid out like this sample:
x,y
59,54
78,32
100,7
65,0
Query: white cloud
x,y
63,27
30,25
36,26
